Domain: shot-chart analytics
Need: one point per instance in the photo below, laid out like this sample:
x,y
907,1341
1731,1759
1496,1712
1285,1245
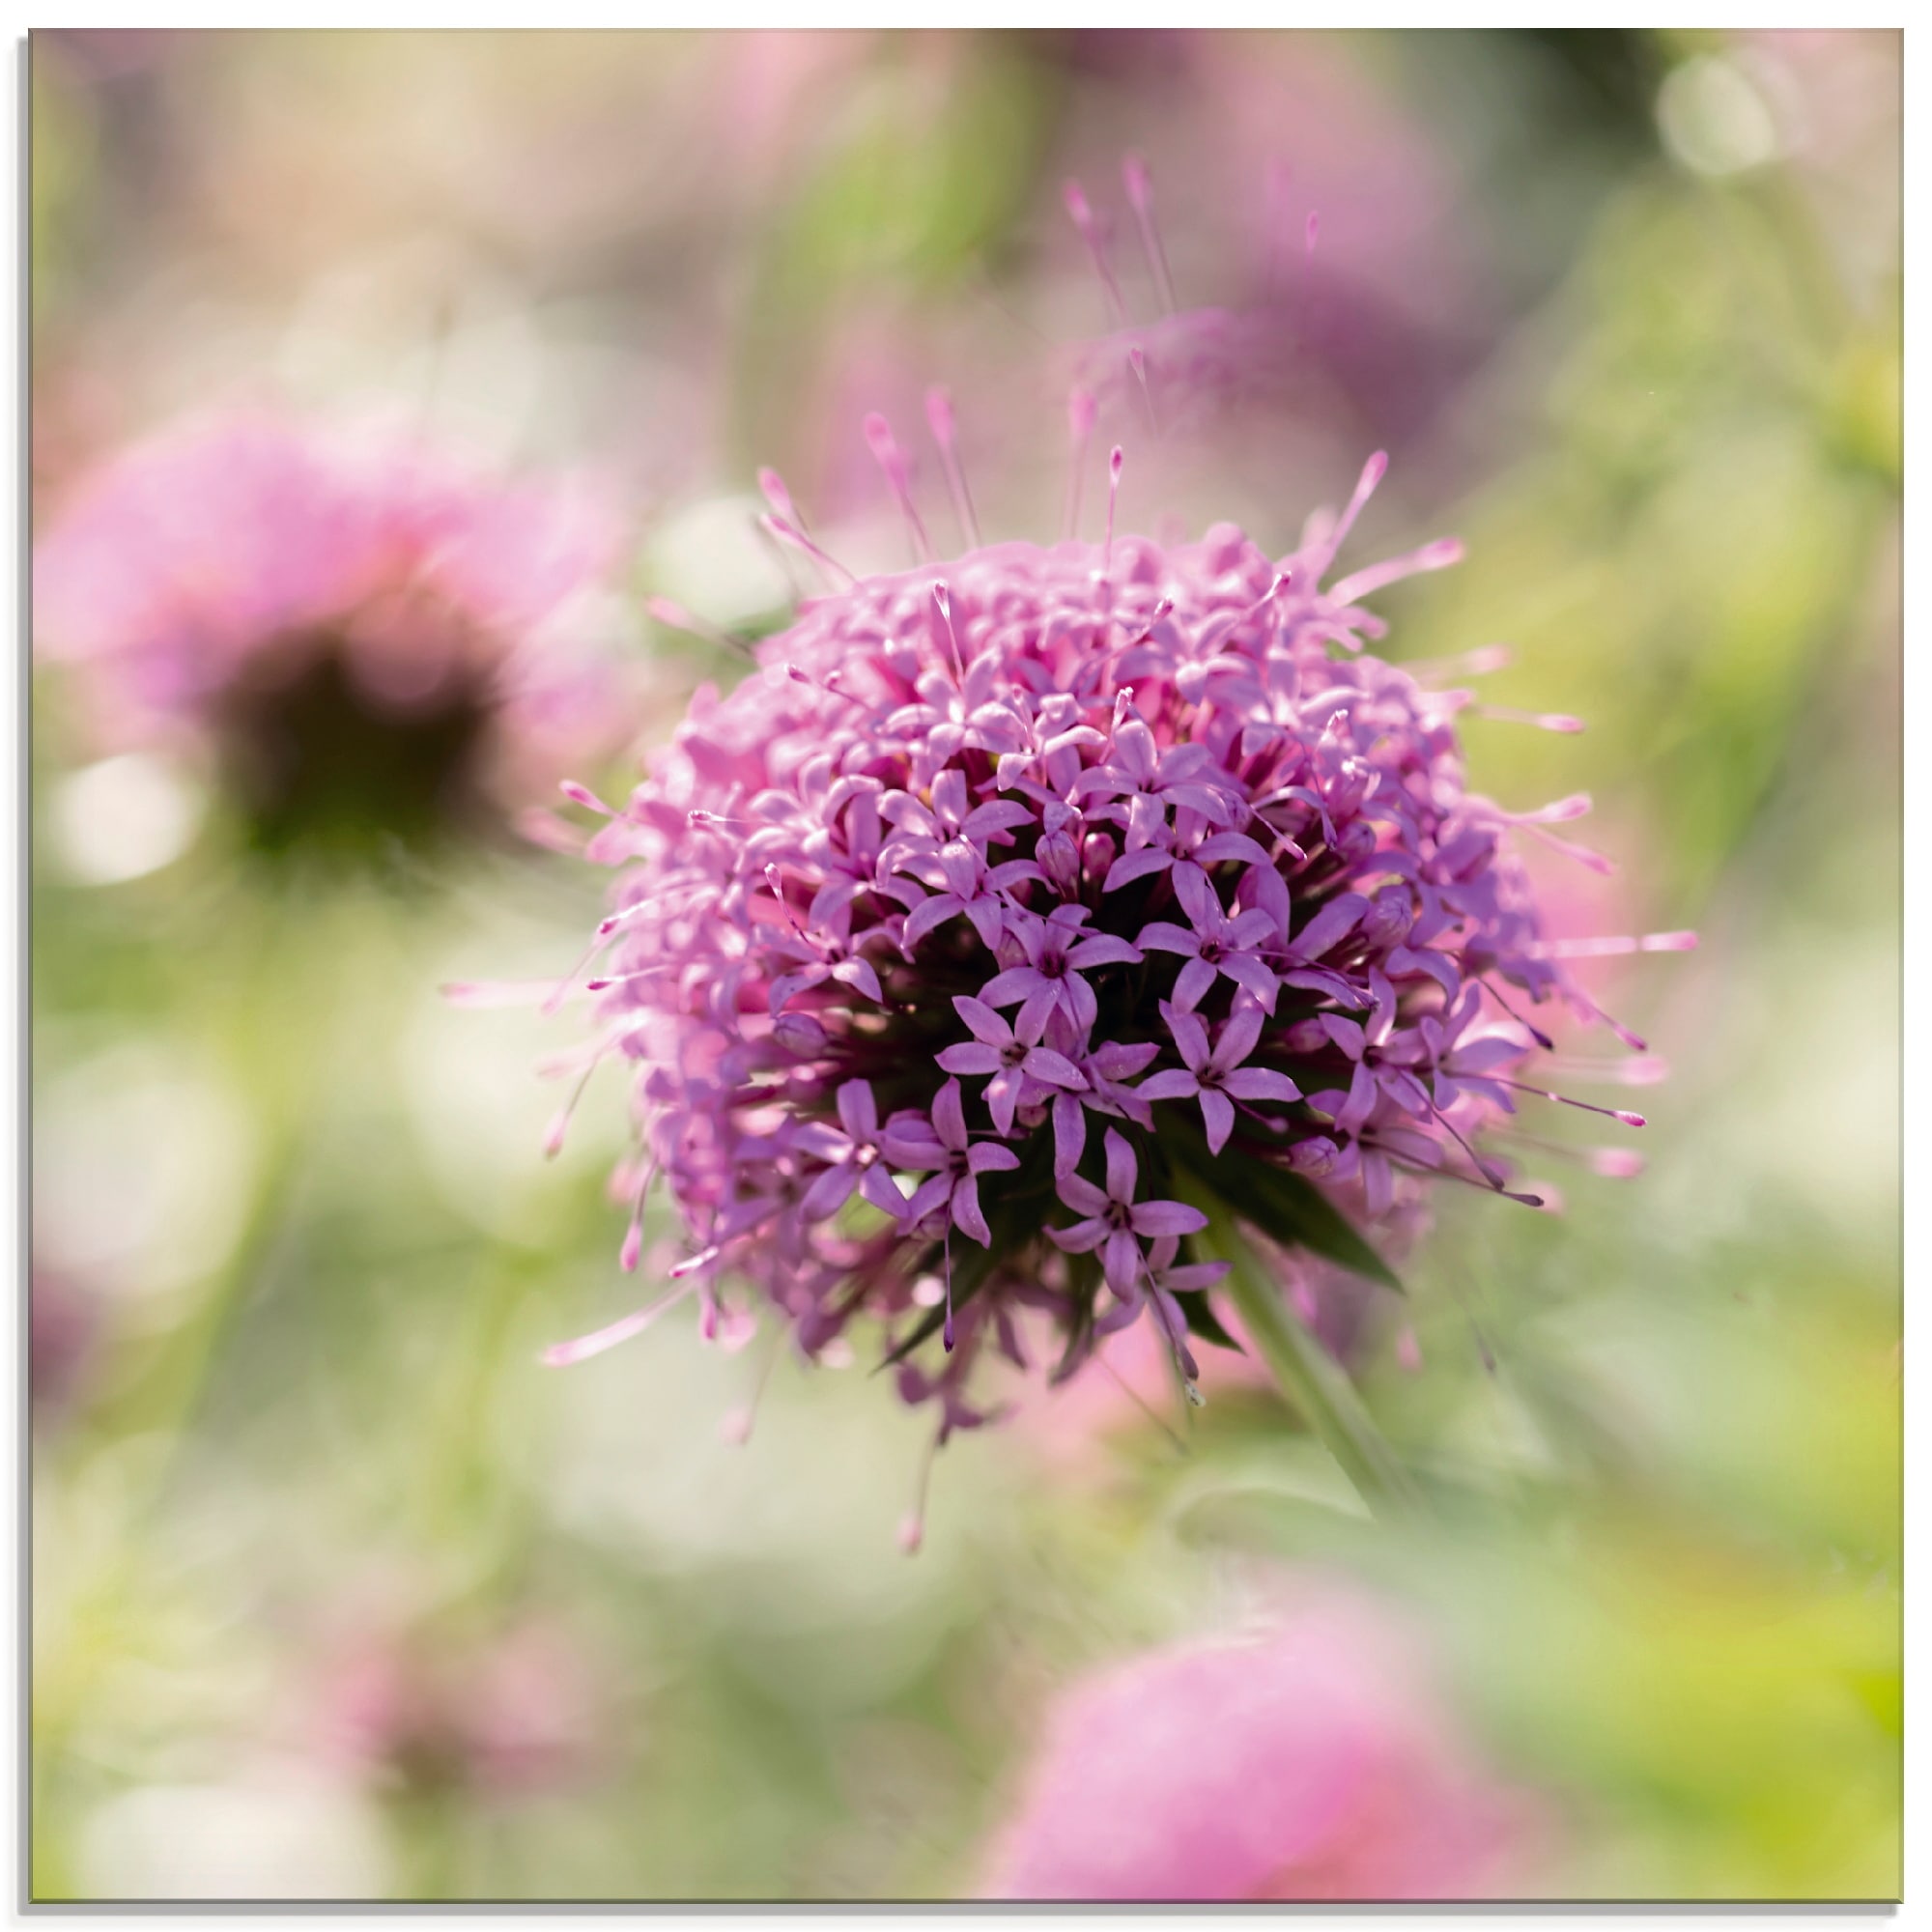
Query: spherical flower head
x,y
1022,914
1313,1761
370,640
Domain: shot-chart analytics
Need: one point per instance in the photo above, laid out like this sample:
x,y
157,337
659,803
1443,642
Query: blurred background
x,y
336,1591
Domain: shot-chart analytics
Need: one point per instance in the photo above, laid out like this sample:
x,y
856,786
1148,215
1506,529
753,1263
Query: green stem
x,y
1307,1375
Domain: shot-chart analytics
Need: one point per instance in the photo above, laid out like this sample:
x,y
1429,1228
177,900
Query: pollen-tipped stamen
x,y
887,454
1437,556
634,1233
1139,186
1613,1163
1478,662
942,598
1622,1114
788,532
1535,1031
1645,1071
561,1354
1114,464
939,419
1611,948
1088,225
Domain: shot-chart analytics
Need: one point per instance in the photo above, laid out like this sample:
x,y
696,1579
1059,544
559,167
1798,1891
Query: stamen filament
x,y
562,1355
678,618
886,453
1604,949
1622,1114
1535,1033
939,419
1085,219
788,532
1114,464
1140,195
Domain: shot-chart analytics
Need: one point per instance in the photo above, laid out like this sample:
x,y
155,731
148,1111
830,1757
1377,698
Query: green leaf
x,y
1305,1372
1285,1207
1202,1320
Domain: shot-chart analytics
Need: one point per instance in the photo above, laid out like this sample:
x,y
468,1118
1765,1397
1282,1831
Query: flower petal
x,y
831,1191
1190,1036
925,916
1173,1083
1195,1276
1132,865
1003,1093
857,1110
1167,1217
912,1146
1239,1036
949,1118
967,1216
972,1056
1197,900
858,973
1163,937
1007,989
1080,1194
878,1188
928,1195
1104,949
981,1021
1330,926
1121,1262
1248,972
1224,845
1079,1240
1260,1082
1191,988
989,1156
1039,1008
1081,1002
1054,1068
1069,1133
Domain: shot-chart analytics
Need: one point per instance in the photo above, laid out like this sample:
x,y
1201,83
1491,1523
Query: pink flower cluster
x,y
1017,898
1316,1761
201,581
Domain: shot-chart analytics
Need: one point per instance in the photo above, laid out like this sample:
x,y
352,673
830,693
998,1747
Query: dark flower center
x,y
322,764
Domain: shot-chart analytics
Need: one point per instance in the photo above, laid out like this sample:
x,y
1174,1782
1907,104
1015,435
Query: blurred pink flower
x,y
1316,1762
508,1713
64,1324
1324,268
207,585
